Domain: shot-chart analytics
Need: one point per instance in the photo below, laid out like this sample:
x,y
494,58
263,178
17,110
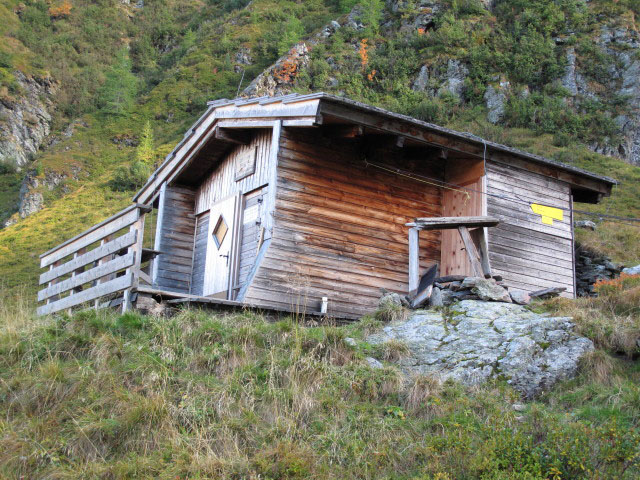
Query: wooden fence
x,y
102,261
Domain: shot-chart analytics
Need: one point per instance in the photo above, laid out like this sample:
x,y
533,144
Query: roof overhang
x,y
322,109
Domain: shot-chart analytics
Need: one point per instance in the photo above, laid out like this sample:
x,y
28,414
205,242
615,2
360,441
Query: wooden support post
x,y
479,236
414,261
136,249
472,252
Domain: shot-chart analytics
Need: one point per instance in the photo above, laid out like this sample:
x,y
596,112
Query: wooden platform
x,y
175,298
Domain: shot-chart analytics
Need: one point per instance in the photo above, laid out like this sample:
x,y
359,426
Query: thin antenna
x,y
240,84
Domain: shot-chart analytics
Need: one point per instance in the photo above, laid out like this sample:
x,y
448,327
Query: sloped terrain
x,y
199,395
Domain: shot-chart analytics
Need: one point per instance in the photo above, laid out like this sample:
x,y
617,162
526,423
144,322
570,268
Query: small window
x,y
220,231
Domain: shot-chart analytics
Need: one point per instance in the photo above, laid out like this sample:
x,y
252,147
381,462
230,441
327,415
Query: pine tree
x,y
120,87
145,152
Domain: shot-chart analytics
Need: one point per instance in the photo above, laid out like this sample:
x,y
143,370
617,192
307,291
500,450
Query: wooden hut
x,y
280,202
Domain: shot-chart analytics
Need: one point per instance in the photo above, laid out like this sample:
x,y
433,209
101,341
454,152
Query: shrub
x,y
128,178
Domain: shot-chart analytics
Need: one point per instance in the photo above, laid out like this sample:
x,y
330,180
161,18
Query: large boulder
x,y
481,340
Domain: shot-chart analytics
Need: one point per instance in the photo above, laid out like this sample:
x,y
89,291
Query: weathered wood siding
x,y
200,253
221,182
176,224
467,200
527,253
339,228
252,224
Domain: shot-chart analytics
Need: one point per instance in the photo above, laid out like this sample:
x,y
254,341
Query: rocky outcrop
x,y
25,119
495,98
280,77
479,340
31,199
621,45
590,267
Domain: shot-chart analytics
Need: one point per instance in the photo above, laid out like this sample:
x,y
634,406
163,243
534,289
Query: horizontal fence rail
x,y
103,260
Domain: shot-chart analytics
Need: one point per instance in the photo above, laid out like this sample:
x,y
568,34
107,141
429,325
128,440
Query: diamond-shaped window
x,y
220,231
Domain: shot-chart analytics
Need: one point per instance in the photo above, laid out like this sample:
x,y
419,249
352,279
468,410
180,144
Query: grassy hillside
x,y
99,395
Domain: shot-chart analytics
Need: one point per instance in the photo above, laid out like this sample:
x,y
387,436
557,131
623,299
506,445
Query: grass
x,y
201,395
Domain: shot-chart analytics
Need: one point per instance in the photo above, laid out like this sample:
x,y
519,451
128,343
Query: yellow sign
x,y
548,214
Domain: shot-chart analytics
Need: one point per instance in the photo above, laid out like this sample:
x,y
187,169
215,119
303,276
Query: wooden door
x,y
221,238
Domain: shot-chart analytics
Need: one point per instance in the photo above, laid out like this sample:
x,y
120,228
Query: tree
x,y
145,152
119,89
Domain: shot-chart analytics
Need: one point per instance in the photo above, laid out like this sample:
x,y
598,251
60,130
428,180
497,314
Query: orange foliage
x,y
623,282
364,55
421,31
287,71
62,10
372,74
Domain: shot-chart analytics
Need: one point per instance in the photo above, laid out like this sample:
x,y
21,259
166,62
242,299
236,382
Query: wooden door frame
x,y
233,249
234,252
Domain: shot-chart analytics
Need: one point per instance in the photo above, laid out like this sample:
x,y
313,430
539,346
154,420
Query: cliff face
x,y
25,119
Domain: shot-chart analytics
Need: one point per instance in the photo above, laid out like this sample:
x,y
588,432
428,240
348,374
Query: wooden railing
x,y
102,261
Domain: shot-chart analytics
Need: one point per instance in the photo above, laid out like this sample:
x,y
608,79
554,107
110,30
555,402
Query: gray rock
x,y
243,56
148,306
436,298
454,78
272,81
422,80
486,339
487,289
495,99
350,341
26,121
470,282
520,297
585,224
390,298
632,270
373,363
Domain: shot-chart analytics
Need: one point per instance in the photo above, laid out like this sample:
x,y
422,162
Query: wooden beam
x,y
96,273
480,238
443,223
239,137
472,252
89,257
100,290
343,131
111,225
414,261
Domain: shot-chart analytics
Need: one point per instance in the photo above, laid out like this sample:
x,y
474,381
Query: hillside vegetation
x,y
119,67
201,395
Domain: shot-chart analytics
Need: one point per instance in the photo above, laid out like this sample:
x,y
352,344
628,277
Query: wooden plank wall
x,y
200,253
461,202
221,182
339,227
173,271
252,214
527,253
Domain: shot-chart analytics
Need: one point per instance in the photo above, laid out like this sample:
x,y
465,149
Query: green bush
x,y
132,177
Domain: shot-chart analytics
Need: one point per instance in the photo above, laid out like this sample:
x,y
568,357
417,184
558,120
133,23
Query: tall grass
x,y
101,395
